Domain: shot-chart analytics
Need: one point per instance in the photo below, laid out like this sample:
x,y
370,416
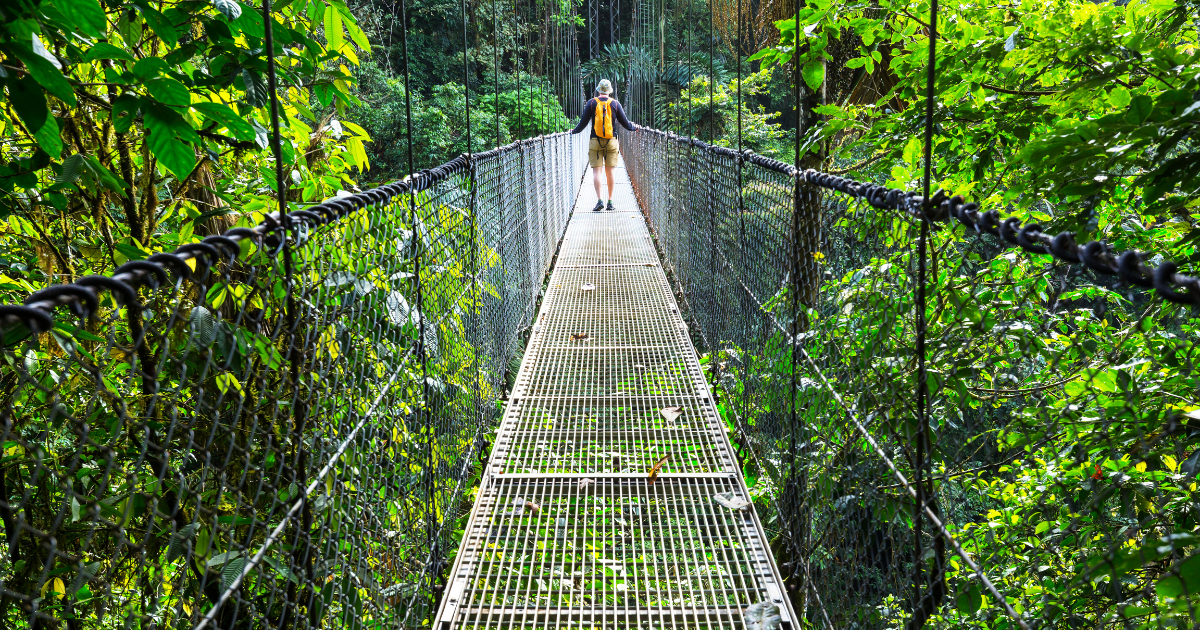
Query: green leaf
x,y
106,177
814,74
71,168
158,23
129,251
1139,109
48,137
124,112
105,50
179,541
224,116
167,138
1119,97
229,8
231,571
256,89
39,49
333,29
1188,579
970,600
356,34
282,569
222,558
27,98
45,73
149,67
250,23
85,15
169,91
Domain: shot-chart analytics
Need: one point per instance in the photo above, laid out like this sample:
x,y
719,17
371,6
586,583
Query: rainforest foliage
x,y
1058,399
131,129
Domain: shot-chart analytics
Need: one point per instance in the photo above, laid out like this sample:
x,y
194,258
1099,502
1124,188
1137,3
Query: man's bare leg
x,y
608,171
596,181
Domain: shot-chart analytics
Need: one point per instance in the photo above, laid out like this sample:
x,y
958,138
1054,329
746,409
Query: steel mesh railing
x,y
1051,483
276,427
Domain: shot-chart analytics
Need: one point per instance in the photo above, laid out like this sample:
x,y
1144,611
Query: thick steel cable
x,y
81,297
297,411
799,547
416,249
924,606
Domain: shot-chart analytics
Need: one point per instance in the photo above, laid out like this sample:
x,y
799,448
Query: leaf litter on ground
x,y
657,466
671,413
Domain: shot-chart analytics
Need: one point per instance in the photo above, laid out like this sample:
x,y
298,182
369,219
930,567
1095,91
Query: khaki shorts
x,y
603,152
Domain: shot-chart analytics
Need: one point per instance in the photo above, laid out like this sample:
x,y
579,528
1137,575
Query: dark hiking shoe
x,y
610,206
599,205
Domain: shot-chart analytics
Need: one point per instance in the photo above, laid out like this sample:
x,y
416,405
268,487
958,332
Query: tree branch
x,y
996,88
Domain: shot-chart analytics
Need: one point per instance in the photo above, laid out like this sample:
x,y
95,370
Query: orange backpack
x,y
603,122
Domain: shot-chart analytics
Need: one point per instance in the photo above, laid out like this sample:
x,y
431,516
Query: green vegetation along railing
x,y
276,427
1020,452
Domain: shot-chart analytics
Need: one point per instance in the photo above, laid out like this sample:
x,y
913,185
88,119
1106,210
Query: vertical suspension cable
x,y
297,409
799,547
712,76
471,212
924,606
688,34
466,77
517,65
416,243
280,191
737,53
496,69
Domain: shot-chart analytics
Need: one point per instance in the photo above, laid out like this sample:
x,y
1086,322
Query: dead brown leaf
x,y
658,466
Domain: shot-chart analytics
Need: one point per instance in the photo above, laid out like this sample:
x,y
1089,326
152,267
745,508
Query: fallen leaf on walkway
x,y
657,466
532,507
639,366
578,336
763,616
587,286
671,413
584,483
731,501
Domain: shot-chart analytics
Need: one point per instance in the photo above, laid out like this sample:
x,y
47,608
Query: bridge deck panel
x,y
568,531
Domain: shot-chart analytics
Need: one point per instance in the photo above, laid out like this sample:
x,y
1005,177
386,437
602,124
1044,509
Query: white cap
x,y
604,86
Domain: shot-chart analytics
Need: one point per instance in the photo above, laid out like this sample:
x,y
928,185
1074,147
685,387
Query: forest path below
x,y
569,529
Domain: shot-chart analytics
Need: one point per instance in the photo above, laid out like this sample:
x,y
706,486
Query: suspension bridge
x,y
753,396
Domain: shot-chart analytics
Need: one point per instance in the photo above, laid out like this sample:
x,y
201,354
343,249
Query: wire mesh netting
x,y
950,427
276,427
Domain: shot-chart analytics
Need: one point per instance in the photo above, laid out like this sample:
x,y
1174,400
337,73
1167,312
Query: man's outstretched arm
x,y
589,113
619,116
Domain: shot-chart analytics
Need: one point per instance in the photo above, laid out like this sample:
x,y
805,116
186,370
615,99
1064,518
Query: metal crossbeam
x,y
608,354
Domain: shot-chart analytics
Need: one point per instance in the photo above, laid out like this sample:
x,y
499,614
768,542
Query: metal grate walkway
x,y
567,530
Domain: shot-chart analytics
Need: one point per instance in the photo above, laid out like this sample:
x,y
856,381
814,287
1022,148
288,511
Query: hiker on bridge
x,y
600,112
